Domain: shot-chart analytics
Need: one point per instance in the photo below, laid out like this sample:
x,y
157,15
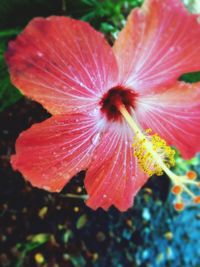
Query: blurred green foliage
x,y
109,16
8,93
193,5
33,242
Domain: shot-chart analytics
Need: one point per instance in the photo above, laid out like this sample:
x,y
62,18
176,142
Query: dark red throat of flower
x,y
115,97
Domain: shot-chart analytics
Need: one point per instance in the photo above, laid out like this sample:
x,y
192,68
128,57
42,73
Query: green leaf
x,y
8,93
82,220
33,242
9,32
67,235
77,260
192,77
108,16
40,238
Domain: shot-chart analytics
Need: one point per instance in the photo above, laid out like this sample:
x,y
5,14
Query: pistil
x,y
155,157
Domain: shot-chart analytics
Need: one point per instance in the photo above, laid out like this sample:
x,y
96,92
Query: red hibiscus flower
x,y
104,101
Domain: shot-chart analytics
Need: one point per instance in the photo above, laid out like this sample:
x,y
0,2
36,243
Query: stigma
x,y
156,157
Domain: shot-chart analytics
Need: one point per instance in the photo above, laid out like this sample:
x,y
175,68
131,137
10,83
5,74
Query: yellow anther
x,y
147,160
148,130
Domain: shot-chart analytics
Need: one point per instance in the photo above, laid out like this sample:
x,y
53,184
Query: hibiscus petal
x,y
159,43
62,63
51,152
174,115
114,177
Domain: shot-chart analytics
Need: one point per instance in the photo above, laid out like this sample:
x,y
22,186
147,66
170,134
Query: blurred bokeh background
x,y
55,230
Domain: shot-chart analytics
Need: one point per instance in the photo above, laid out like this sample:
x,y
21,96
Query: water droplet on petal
x,y
172,49
75,109
94,112
40,54
95,138
94,157
67,176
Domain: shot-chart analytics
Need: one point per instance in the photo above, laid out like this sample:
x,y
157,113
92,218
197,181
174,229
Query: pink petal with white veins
x,y
159,43
50,153
62,63
114,177
174,115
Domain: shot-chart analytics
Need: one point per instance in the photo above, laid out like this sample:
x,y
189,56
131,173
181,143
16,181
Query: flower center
x,y
155,157
115,96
